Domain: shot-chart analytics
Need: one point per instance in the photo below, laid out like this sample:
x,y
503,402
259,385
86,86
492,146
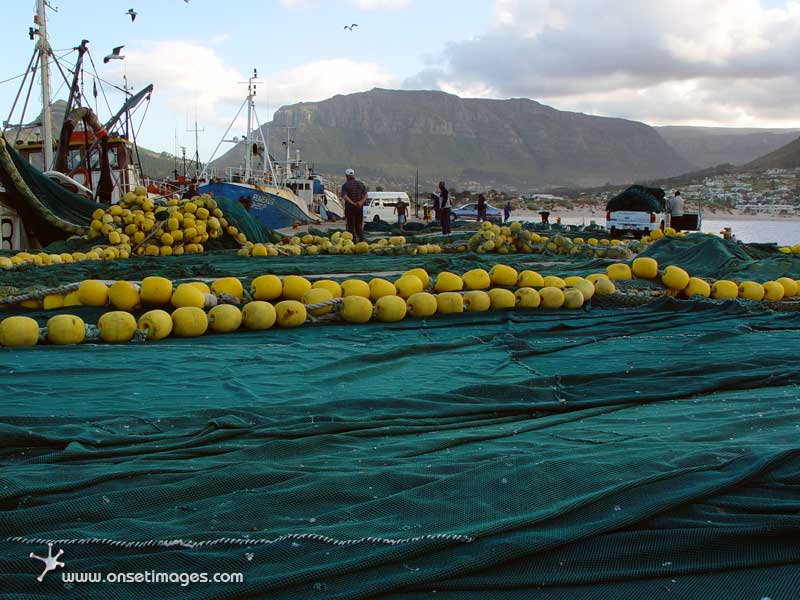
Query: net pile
x,y
604,453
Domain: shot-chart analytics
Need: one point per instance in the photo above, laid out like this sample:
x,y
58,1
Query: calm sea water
x,y
780,232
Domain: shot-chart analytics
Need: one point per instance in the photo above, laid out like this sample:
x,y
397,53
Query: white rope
x,y
181,543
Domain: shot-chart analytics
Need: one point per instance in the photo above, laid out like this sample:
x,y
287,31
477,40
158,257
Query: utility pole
x,y
416,195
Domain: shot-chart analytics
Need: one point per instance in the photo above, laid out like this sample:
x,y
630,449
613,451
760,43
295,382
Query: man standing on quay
x,y
354,195
444,207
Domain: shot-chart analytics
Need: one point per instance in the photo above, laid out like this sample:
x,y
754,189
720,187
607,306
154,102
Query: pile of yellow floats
x,y
195,308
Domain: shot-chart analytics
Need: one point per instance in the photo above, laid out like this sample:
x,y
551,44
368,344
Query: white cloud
x,y
363,4
373,4
189,77
726,62
325,78
184,74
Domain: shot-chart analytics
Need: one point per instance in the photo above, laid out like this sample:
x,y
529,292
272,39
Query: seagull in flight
x,y
132,14
115,55
350,27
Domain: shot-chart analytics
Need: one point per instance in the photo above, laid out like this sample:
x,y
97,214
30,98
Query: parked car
x,y
469,212
380,206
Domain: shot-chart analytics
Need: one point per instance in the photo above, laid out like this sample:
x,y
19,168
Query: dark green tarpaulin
x,y
506,455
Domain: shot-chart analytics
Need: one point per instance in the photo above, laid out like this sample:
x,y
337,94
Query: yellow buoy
x,y
356,309
355,287
124,295
51,301
93,293
604,286
552,297
228,285
585,286
117,327
156,324
789,286
65,329
155,291
595,276
450,302
751,290
645,267
18,331
530,279
697,287
259,315
408,285
724,290
504,275
573,298
477,279
294,287
527,297
448,282
390,309
187,295
675,278
502,298
266,287
422,305
553,281
224,318
315,296
328,284
290,313
773,291
189,321
72,299
619,271
201,287
477,301
378,288
423,277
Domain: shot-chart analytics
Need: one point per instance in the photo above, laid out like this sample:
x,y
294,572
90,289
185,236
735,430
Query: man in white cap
x,y
354,193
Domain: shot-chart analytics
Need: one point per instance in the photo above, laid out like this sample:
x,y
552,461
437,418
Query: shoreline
x,y
600,216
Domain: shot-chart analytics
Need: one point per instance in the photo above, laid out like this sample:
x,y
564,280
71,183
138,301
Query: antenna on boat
x,y
196,131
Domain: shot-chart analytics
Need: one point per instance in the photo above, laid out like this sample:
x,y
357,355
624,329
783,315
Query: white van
x,y
380,206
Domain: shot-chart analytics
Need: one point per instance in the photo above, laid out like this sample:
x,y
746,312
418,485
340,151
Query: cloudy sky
x,y
696,62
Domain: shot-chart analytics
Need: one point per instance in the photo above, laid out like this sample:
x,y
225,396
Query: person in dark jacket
x,y
444,208
191,192
354,194
481,207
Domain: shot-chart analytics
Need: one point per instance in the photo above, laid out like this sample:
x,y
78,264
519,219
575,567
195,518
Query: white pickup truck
x,y
640,210
619,222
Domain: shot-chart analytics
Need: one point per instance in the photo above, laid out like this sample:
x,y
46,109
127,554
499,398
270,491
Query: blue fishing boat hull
x,y
273,210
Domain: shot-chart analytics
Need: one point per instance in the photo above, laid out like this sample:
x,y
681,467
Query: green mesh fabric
x,y
710,256
55,200
495,455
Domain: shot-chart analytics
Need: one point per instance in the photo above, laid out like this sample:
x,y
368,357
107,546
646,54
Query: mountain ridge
x,y
392,133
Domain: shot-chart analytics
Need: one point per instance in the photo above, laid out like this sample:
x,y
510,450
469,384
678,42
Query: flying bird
x,y
115,54
350,27
132,14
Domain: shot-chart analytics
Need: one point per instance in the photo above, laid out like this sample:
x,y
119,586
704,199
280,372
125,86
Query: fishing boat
x,y
278,194
92,159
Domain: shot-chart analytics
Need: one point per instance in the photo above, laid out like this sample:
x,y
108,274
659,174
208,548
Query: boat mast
x,y
44,58
248,155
